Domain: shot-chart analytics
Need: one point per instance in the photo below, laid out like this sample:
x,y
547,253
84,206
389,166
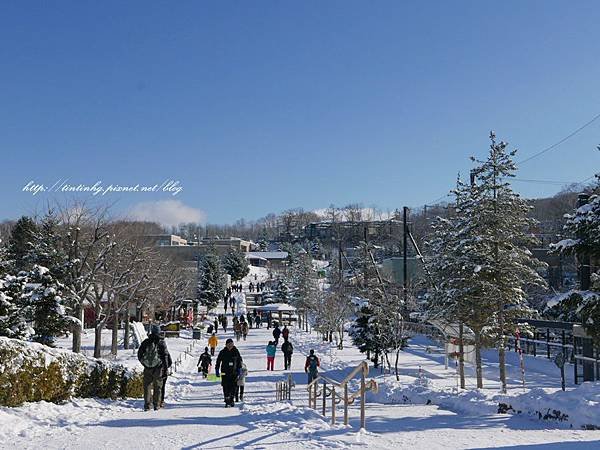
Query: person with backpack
x,y
285,333
241,382
237,328
155,358
213,341
276,333
257,321
204,362
271,350
311,367
229,363
287,348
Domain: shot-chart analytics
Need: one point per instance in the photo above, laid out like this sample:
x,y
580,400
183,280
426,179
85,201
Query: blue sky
x,y
256,107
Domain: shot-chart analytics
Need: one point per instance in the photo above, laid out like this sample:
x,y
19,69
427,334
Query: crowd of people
x,y
229,365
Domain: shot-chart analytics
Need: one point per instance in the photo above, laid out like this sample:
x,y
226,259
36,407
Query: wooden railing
x,y
283,389
339,392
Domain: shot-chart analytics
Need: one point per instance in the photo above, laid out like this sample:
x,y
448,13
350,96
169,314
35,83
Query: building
x,y
272,260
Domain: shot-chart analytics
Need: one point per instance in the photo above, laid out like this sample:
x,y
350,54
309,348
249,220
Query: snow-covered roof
x,y
276,307
267,255
248,256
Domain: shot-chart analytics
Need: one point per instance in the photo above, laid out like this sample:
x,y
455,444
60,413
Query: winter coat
x,y
271,350
276,333
163,352
205,360
229,362
285,333
244,328
213,341
243,374
287,347
309,366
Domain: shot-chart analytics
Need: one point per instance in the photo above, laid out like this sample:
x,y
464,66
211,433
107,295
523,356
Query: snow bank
x,y
578,407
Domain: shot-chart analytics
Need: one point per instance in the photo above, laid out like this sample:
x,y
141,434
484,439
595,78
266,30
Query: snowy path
x,y
195,417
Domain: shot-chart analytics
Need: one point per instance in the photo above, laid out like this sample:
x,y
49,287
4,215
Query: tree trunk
x,y
115,334
502,361
98,339
126,331
461,355
77,328
478,368
396,365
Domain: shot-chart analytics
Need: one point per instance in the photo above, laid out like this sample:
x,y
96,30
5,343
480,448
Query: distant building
x,y
273,260
187,253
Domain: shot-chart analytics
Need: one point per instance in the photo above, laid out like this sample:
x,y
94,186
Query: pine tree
x,y
236,264
281,294
583,227
365,333
49,314
505,266
15,307
459,295
211,281
20,245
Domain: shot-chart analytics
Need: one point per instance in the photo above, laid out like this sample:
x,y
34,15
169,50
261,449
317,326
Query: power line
x,y
547,149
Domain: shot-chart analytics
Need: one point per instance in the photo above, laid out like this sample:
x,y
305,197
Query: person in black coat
x,y
276,334
229,364
204,362
155,357
287,348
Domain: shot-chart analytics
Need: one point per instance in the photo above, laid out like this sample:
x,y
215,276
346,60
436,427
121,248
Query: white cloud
x,y
167,213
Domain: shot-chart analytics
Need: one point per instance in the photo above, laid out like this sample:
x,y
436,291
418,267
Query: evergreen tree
x,y
211,281
365,333
459,295
15,307
583,227
236,265
49,315
505,266
281,294
20,244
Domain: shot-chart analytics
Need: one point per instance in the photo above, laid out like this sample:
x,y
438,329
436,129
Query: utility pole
x,y
405,254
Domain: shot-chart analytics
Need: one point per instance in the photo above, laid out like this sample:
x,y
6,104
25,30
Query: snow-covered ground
x,y
195,416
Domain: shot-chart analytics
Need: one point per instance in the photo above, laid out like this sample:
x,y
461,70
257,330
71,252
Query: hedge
x,y
31,372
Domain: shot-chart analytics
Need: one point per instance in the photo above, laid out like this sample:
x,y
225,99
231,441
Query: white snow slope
x,y
195,418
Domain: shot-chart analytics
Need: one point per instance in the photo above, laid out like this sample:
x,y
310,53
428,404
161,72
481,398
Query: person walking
x,y
311,366
216,324
249,318
285,333
154,356
287,348
229,363
241,382
244,330
213,341
276,334
257,321
224,323
271,350
237,328
204,362
269,319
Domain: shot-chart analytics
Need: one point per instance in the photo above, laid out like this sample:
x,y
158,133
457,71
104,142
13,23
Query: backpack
x,y
151,358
